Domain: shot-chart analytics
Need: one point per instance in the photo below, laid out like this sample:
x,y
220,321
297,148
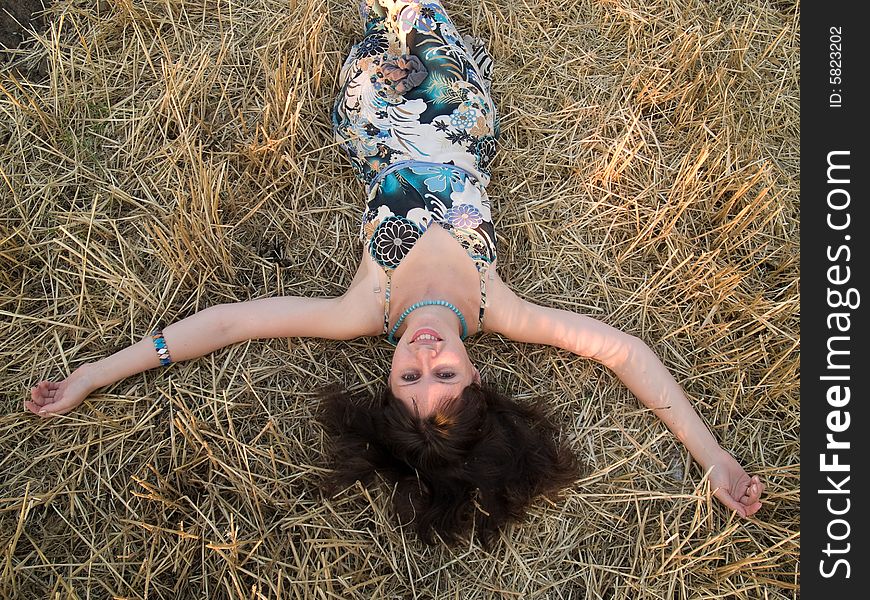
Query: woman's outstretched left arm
x,y
641,371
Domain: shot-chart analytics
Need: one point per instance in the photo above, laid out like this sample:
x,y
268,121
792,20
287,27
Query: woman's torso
x,y
416,119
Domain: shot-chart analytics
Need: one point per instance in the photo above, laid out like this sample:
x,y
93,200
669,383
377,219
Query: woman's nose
x,y
426,351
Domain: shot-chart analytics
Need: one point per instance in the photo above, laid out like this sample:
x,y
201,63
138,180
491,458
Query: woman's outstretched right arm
x,y
641,371
206,331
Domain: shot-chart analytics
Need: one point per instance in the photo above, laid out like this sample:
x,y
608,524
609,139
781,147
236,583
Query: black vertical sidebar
x,y
835,299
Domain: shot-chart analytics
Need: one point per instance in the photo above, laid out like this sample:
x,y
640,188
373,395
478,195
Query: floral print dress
x,y
415,116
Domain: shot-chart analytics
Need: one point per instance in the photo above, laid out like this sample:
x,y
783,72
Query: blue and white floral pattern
x,y
464,215
413,90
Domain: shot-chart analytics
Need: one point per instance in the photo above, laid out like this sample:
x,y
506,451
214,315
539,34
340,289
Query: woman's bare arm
x,y
640,370
208,330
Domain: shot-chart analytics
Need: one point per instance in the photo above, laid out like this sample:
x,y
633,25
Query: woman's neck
x,y
436,268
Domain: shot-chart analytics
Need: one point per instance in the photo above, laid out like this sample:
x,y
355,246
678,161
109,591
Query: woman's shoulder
x,y
364,297
502,303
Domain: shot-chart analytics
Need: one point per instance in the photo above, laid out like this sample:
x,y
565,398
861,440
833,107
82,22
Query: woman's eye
x,y
410,377
446,375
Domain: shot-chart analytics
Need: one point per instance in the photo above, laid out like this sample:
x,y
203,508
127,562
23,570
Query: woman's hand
x,y
49,398
733,486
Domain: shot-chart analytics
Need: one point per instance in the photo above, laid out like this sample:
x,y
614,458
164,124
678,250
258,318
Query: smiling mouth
x,y
426,335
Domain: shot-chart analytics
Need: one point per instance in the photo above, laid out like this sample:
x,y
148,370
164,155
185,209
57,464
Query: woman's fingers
x,y
728,500
755,489
46,398
749,502
44,389
36,397
752,509
56,408
40,407
41,392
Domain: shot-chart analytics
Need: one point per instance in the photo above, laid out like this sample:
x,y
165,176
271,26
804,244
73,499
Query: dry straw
x,y
158,157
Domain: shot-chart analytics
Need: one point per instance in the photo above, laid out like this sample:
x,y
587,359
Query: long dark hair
x,y
475,464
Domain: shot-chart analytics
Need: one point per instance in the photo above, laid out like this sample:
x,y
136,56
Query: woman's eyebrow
x,y
436,379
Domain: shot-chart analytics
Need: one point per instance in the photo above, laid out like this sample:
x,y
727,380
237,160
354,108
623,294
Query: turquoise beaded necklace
x,y
391,335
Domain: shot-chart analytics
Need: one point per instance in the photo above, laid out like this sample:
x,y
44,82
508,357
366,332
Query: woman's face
x,y
430,364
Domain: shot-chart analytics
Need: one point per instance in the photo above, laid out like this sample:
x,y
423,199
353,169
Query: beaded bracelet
x,y
160,346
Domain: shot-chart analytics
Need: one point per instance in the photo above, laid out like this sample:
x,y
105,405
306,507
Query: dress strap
x,y
483,275
389,274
